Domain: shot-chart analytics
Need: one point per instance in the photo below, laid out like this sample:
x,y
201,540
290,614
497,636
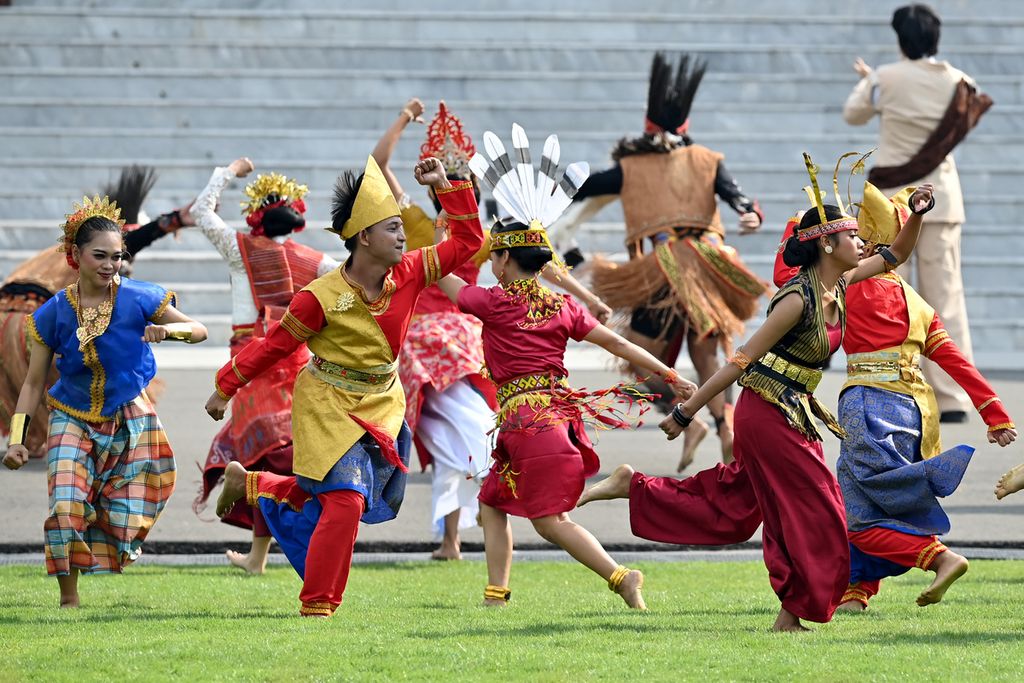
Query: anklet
x,y
497,593
615,580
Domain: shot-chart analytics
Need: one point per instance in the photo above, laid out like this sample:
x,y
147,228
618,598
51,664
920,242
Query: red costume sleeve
x,y
304,318
464,221
939,348
784,273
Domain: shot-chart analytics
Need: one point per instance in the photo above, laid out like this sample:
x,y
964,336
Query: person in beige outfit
x,y
914,98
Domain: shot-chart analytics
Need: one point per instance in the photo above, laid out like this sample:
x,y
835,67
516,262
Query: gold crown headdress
x,y
373,203
817,198
89,208
881,218
271,188
533,199
448,142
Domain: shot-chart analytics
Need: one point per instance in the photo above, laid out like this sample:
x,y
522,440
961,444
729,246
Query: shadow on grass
x,y
943,638
138,615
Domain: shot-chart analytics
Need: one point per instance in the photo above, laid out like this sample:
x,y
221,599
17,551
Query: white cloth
x,y
225,240
453,427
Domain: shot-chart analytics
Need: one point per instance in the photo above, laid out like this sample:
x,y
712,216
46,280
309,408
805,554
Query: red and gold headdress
x,y
270,191
448,142
817,199
89,208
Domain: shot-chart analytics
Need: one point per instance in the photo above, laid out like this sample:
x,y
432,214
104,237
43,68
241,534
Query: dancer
x,y
780,476
110,469
36,280
449,403
267,268
542,454
351,442
690,287
890,467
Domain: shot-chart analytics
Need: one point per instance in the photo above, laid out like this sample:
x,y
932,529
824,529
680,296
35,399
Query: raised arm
x,y
204,211
921,202
860,105
459,202
560,277
451,285
413,111
40,357
730,191
783,316
601,183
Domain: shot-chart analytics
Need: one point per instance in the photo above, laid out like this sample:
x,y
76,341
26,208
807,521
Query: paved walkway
x,y
978,518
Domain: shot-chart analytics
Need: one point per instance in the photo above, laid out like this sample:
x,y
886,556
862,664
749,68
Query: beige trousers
x,y
934,271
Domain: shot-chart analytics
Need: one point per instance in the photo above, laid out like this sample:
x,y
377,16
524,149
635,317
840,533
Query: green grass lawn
x,y
421,621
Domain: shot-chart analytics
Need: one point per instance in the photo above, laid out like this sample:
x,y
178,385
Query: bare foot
x,y
246,561
692,436
234,488
787,622
69,602
615,486
630,588
852,606
445,553
1011,482
948,567
494,603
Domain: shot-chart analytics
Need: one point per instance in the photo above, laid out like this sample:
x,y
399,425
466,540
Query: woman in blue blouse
x,y
110,470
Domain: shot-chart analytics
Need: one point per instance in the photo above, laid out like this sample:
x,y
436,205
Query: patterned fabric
x,y
884,480
440,349
541,303
108,483
528,384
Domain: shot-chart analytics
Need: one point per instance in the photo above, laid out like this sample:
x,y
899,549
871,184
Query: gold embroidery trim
x,y
169,297
30,326
238,373
987,403
928,553
431,265
1002,425
295,327
456,186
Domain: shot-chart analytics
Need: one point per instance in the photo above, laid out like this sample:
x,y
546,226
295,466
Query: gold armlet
x,y
740,360
19,428
179,332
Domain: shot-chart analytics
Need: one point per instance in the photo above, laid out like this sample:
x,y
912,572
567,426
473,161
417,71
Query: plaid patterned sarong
x,y
108,482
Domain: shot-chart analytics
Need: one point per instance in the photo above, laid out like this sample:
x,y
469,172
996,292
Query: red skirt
x,y
779,478
539,471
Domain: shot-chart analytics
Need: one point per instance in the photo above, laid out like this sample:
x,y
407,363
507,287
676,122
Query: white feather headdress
x,y
534,199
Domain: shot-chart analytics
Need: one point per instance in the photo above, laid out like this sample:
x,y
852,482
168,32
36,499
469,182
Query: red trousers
x,y
779,478
328,556
903,549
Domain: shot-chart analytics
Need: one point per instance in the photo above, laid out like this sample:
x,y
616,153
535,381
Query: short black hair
x,y
346,187
917,26
530,259
94,225
806,254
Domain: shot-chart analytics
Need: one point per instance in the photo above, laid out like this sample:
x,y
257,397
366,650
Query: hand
x,y
154,334
216,406
922,197
862,68
671,428
683,388
414,110
430,172
599,310
1003,437
749,222
16,457
241,167
185,214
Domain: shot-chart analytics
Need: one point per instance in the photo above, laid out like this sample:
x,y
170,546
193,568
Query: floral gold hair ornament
x,y
89,208
270,191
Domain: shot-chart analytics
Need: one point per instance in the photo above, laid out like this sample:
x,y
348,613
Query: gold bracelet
x,y
179,332
19,428
740,360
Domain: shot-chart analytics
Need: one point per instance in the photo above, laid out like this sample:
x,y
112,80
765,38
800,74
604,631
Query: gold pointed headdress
x,y
373,203
881,218
89,208
817,198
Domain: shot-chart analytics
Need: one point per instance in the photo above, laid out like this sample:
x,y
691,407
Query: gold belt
x,y
375,380
882,366
807,378
527,384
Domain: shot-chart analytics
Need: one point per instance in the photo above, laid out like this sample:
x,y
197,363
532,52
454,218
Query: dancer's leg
x,y
329,557
498,549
